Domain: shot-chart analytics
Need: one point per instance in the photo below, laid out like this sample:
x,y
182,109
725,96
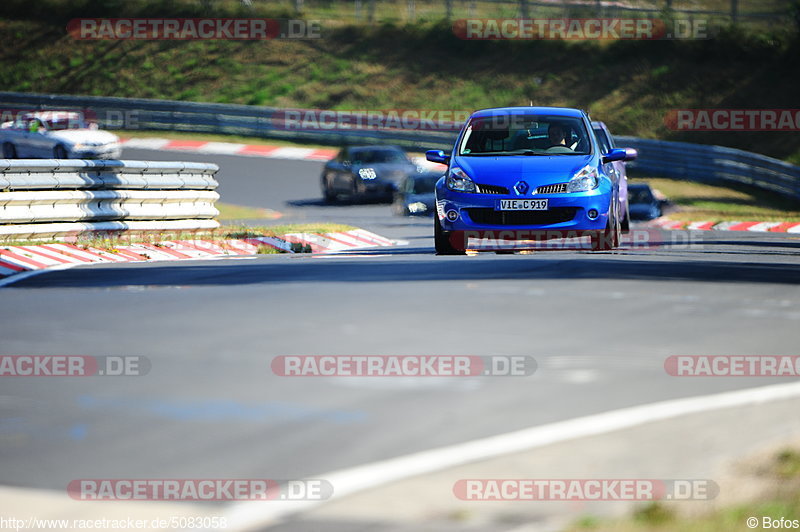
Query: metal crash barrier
x,y
51,198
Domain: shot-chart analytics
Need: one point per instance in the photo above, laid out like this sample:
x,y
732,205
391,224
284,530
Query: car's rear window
x,y
525,135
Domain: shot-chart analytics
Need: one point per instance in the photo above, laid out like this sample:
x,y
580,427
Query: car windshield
x,y
425,184
378,156
640,195
525,135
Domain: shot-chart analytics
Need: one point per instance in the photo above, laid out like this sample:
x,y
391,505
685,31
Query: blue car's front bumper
x,y
459,211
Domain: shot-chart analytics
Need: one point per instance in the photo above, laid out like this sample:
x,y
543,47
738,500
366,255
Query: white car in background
x,y
56,135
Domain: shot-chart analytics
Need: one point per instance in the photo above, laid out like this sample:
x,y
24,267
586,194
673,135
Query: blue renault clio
x,y
526,173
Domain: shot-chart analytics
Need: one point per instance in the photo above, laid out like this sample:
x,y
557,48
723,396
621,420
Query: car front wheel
x,y
328,195
607,239
9,151
59,152
442,242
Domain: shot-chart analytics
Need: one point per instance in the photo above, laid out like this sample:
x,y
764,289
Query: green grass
x,y
701,202
631,85
781,501
111,243
228,211
246,231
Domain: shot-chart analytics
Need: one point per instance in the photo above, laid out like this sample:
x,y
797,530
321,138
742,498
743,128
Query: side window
x,y
602,140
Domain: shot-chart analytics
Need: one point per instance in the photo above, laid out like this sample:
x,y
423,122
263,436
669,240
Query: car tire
x,y
59,152
625,226
354,197
607,239
9,151
327,195
441,240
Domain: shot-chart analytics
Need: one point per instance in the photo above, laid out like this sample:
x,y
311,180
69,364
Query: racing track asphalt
x,y
599,326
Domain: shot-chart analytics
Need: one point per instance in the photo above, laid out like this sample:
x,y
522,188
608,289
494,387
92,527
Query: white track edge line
x,y
13,278
252,514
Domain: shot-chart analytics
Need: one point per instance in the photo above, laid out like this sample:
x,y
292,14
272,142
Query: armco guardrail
x,y
194,117
657,158
713,164
46,198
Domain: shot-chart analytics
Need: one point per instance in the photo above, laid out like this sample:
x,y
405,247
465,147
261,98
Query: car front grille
x,y
492,217
558,188
490,189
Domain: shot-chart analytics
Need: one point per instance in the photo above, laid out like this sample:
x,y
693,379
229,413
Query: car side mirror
x,y
630,154
617,154
437,156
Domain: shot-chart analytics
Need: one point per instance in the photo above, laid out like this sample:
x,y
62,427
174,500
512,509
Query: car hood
x,y
82,136
535,169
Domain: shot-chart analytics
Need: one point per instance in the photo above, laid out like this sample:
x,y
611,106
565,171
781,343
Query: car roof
x,y
638,185
556,111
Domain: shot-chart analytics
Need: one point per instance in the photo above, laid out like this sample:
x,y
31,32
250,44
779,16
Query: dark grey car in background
x,y
366,172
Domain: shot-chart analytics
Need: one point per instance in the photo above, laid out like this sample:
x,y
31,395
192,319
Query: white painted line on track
x,y
30,273
251,515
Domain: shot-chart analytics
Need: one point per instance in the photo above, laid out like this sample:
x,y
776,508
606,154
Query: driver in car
x,y
557,134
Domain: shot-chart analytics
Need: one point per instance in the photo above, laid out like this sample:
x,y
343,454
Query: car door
x,y
42,142
18,135
342,172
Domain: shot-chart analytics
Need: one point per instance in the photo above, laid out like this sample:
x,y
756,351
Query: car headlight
x,y
584,180
459,181
417,206
367,173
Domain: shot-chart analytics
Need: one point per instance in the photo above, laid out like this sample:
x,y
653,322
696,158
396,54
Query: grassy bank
x,y
631,85
780,471
701,202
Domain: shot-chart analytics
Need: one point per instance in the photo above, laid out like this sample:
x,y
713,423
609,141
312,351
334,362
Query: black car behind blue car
x,y
365,172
